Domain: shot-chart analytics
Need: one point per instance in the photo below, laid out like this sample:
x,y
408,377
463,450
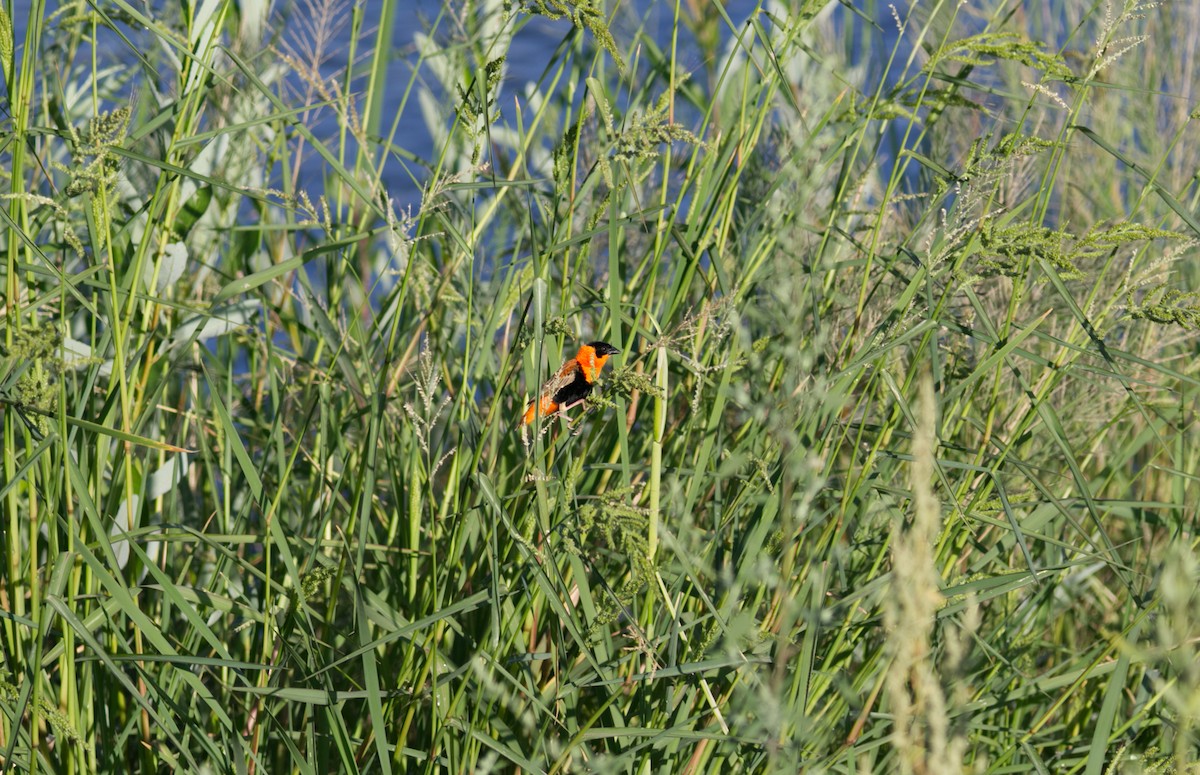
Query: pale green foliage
x,y
584,14
895,471
1164,304
6,44
987,47
915,684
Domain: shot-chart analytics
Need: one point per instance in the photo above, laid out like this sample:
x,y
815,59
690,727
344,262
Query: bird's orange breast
x,y
590,362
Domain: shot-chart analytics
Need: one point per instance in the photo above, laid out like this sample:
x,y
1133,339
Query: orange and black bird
x,y
573,382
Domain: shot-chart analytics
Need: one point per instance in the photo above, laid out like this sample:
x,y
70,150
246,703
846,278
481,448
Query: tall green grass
x,y
897,470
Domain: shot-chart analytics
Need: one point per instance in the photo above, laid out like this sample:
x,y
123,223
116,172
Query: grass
x,y
896,471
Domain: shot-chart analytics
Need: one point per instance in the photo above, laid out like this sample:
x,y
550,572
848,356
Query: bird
x,y
572,383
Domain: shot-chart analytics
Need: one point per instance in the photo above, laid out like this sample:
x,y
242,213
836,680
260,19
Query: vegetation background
x,y
897,471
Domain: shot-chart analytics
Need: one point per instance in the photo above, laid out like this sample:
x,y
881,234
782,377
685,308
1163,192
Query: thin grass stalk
x,y
663,383
413,522
22,101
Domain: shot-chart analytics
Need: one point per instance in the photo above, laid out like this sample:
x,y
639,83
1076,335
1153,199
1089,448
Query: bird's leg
x,y
562,410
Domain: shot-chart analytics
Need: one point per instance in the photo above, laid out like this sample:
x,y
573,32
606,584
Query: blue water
x,y
531,51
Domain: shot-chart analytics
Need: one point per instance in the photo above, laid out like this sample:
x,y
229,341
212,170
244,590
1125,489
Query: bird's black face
x,y
603,348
